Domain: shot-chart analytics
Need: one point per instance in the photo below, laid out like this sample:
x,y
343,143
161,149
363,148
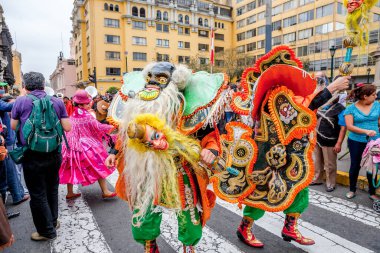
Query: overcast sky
x,y
37,27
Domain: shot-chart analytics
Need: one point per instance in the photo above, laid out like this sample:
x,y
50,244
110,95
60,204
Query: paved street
x,y
90,224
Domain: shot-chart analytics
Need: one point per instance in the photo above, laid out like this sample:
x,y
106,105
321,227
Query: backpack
x,y
43,130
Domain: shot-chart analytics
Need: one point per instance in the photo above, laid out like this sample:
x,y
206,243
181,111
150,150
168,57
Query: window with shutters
x,y
137,56
113,71
111,55
112,39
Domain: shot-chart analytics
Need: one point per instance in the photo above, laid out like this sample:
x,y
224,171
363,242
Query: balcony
x,y
184,3
223,2
166,2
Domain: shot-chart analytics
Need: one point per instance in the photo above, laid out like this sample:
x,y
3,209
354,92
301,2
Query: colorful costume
x,y
272,171
83,162
158,165
356,29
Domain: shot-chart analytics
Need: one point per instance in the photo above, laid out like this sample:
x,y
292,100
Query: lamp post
x,y
368,72
332,53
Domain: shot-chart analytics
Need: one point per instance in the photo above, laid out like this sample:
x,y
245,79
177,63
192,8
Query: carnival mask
x,y
157,78
155,139
149,136
352,5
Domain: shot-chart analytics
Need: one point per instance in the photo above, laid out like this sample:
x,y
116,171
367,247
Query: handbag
x,y
17,154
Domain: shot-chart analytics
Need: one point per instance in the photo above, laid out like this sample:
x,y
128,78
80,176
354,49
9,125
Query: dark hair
x,y
34,81
360,92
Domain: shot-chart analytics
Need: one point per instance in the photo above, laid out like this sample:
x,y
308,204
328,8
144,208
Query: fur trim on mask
x,y
180,75
148,68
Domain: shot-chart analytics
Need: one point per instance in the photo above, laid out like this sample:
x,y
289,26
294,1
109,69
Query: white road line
x,y
211,241
79,231
345,208
324,240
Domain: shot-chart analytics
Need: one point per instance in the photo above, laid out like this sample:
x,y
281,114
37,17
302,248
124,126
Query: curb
x,y
343,178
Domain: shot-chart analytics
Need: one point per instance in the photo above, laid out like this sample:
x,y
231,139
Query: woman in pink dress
x,y
83,161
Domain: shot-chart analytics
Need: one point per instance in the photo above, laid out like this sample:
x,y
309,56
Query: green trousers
x,y
189,225
299,205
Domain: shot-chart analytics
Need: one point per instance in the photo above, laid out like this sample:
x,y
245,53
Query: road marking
x,y
79,231
324,240
345,208
211,241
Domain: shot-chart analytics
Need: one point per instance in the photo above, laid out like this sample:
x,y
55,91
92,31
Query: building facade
x,y
6,42
310,27
63,79
122,36
17,72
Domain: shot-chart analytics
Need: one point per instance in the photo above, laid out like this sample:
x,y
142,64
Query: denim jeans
x,y
42,179
356,149
9,180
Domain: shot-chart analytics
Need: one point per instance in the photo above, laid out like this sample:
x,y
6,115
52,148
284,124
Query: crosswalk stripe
x,y
345,208
79,231
211,241
324,240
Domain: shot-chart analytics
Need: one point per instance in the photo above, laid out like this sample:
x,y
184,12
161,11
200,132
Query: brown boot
x,y
245,234
290,231
151,247
188,249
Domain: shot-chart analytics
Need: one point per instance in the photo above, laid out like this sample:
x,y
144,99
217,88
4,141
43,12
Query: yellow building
x,y
122,36
310,27
16,61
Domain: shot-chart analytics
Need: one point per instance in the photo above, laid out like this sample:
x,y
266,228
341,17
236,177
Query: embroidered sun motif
x,y
297,145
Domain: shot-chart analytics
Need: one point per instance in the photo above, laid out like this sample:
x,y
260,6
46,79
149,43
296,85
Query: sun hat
x,y
82,97
102,107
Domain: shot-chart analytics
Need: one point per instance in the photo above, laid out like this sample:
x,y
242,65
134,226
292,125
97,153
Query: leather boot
x,y
151,247
188,249
245,234
290,231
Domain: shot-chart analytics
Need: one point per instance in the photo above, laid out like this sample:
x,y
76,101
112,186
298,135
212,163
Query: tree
x,y
234,62
112,90
196,65
306,64
228,61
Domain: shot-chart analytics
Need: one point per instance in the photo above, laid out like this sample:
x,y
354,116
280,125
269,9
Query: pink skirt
x,y
84,167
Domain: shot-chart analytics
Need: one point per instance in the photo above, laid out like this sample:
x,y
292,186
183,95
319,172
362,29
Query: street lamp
x,y
332,53
368,72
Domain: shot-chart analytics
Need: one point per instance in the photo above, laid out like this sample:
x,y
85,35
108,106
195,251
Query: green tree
x,y
112,90
306,64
